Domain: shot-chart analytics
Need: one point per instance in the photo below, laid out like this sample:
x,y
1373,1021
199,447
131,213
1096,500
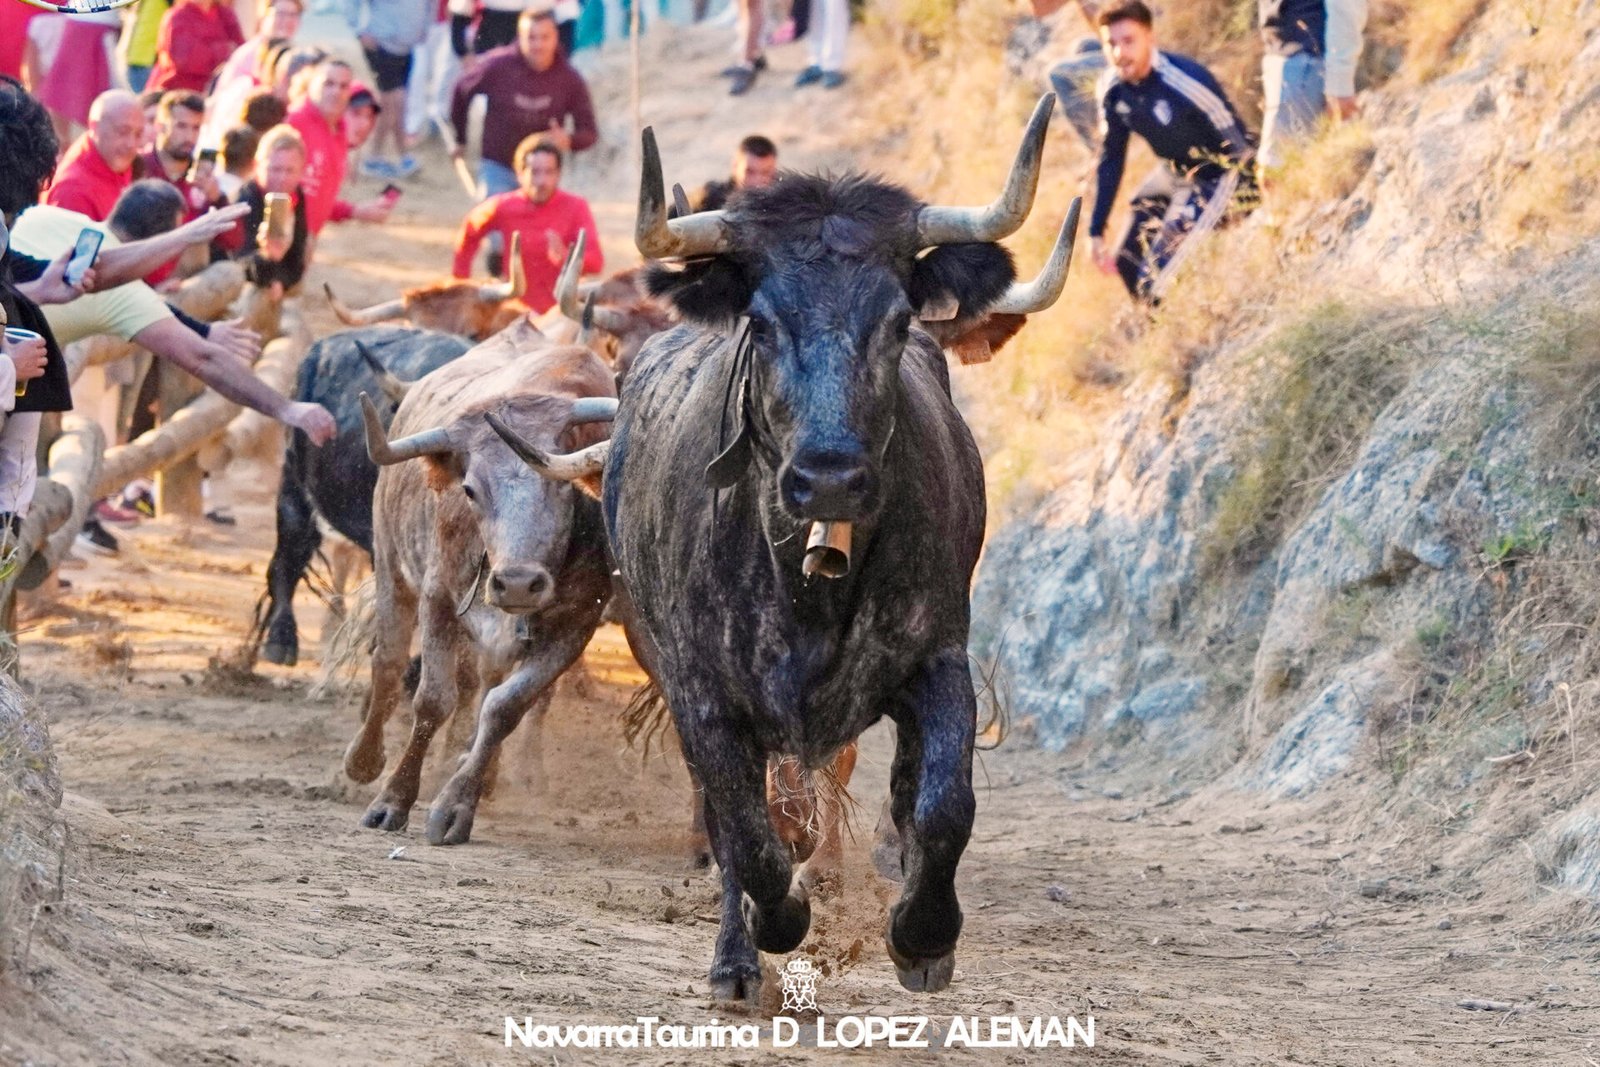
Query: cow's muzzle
x,y
829,486
519,588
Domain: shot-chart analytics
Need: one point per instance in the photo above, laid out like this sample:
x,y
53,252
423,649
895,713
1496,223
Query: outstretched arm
x,y
132,261
232,377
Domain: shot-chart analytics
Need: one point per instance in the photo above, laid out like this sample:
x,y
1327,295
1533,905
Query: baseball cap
x,y
361,96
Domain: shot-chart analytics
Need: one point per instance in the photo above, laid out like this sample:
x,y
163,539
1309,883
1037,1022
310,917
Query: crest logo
x,y
800,986
1163,112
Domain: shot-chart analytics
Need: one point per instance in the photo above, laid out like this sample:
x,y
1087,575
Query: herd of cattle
x,y
772,384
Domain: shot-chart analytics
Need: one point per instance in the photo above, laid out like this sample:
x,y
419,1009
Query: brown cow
x,y
474,309
470,515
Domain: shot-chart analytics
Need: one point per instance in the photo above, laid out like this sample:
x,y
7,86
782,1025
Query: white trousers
x,y
19,463
830,28
434,68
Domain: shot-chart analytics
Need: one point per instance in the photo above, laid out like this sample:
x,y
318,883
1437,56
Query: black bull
x,y
336,480
810,387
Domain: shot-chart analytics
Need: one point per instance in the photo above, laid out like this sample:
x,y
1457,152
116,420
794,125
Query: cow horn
x,y
702,234
389,309
567,294
384,451
513,289
559,468
955,225
1024,298
586,321
593,409
392,387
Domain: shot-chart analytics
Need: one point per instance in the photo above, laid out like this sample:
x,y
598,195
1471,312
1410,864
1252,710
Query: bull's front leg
x,y
529,686
442,635
764,906
298,538
933,805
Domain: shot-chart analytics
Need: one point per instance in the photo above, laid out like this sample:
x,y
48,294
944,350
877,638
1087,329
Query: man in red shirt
x,y
548,219
99,165
196,37
320,121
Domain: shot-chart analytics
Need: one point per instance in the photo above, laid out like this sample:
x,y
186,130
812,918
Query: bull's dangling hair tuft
x,y
975,274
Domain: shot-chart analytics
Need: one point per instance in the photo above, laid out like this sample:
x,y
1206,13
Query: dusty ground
x,y
222,907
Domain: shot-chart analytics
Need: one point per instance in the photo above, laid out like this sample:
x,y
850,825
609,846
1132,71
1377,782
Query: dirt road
x,y
222,907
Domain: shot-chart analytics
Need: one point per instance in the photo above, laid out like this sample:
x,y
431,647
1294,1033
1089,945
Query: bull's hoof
x,y
283,655
785,926
450,823
386,815
734,983
922,975
363,763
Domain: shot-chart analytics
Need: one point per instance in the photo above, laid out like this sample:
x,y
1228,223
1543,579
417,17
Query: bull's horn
x,y
389,309
384,451
702,234
567,294
954,225
593,409
513,289
392,387
586,321
559,468
1024,298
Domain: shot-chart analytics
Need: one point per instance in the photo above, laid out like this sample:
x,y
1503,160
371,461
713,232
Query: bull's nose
x,y
828,485
519,586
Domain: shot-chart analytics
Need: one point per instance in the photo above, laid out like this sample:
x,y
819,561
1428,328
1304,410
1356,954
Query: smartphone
x,y
204,165
83,254
391,193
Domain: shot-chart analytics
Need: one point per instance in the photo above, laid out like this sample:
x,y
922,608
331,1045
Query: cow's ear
x,y
959,279
977,340
441,470
708,291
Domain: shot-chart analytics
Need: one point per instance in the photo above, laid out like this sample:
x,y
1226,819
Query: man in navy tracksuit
x,y
1177,106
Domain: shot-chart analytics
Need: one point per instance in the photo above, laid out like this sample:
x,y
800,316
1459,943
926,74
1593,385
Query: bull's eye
x,y
471,493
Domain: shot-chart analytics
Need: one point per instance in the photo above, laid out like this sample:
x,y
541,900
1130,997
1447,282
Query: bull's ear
x,y
709,291
960,278
976,341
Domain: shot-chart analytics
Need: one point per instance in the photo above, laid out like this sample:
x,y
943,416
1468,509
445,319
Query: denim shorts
x,y
1292,86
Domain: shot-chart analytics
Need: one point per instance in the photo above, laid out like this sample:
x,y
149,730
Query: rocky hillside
x,y
1339,539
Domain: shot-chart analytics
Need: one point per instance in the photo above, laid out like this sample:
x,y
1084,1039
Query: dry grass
x,y
1320,382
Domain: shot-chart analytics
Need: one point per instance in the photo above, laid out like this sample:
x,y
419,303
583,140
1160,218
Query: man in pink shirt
x,y
196,37
99,165
548,219
320,121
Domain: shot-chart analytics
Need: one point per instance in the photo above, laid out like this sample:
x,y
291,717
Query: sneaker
x,y
96,539
378,168
106,511
833,79
809,76
141,501
407,166
221,518
742,81
759,63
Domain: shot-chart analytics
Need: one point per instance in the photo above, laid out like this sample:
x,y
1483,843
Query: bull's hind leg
x,y
436,697
931,786
763,905
298,538
450,818
391,656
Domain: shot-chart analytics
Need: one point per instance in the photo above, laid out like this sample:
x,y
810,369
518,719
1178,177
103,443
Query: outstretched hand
x,y
313,420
